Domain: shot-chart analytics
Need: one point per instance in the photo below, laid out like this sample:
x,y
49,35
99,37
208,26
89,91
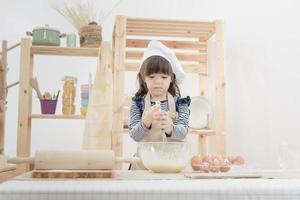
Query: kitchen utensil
x,y
35,85
48,103
164,157
85,88
83,110
73,160
57,95
164,137
222,175
45,36
85,95
48,106
84,103
72,174
163,134
201,112
71,40
47,96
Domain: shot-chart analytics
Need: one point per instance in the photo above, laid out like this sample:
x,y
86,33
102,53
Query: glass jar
x,y
69,94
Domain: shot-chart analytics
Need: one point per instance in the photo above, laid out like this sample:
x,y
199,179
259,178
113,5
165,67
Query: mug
x,y
71,40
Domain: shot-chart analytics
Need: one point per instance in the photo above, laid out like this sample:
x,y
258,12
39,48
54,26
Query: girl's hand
x,y
165,122
152,116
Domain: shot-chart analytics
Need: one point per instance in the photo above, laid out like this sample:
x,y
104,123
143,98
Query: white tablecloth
x,y
209,189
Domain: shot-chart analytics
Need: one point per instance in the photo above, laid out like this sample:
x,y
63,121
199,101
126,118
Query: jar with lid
x,y
69,94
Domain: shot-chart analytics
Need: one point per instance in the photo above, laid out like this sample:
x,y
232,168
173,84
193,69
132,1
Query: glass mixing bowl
x,y
164,157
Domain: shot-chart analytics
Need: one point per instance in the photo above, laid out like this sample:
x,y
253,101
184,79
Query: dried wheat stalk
x,y
80,13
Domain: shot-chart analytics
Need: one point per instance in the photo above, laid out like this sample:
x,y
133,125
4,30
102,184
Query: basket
x,y
90,35
48,106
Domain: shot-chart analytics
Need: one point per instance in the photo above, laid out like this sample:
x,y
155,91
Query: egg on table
x,y
214,164
196,162
239,160
225,165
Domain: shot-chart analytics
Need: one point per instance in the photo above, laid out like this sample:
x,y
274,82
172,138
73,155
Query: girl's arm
x,y
137,129
180,126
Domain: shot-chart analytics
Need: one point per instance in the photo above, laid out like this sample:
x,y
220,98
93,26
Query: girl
x,y
157,110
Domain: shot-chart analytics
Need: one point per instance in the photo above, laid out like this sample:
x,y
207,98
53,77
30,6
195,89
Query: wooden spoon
x,y
35,85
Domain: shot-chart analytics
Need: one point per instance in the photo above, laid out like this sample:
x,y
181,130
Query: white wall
x,y
262,69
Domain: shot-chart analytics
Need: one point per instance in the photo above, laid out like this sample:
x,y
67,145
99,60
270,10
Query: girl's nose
x,y
157,80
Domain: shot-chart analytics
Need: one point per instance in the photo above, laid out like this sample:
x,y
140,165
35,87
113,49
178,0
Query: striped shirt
x,y
137,129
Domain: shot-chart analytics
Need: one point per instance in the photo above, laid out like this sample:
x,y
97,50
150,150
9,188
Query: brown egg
x,y
214,168
215,160
196,162
206,158
214,165
204,167
239,160
225,168
221,158
231,159
225,165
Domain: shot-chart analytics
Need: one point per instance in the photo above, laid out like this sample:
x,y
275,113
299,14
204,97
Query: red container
x,y
48,106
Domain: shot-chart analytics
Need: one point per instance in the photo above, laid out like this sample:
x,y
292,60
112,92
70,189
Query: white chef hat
x,y
156,48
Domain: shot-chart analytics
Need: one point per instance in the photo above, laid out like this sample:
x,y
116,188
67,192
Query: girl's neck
x,y
158,98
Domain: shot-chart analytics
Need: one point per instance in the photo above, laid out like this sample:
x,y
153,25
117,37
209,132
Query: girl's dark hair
x,y
156,64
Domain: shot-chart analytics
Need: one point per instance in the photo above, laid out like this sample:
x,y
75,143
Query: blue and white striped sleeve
x,y
137,129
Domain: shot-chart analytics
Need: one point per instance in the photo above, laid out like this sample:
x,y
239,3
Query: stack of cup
x,y
85,93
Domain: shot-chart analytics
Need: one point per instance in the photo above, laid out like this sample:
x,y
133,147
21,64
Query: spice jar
x,y
69,94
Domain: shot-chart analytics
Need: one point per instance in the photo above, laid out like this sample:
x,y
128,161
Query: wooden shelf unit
x,y
25,116
130,38
206,131
64,51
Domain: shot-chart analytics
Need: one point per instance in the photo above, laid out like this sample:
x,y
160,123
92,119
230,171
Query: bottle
x,y
69,94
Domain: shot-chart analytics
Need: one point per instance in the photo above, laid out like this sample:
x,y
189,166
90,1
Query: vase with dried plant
x,y
90,35
86,18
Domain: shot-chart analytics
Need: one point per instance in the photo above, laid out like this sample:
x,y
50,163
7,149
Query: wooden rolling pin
x,y
74,160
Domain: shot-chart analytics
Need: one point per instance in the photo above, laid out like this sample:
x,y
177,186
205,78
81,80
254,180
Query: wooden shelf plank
x,y
39,116
205,131
64,51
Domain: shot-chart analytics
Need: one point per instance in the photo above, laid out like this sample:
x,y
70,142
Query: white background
x,y
262,70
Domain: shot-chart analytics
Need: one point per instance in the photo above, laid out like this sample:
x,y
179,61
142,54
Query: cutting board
x,y
221,175
72,174
266,174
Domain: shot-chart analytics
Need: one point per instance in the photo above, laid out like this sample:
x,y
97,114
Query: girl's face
x,y
158,85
